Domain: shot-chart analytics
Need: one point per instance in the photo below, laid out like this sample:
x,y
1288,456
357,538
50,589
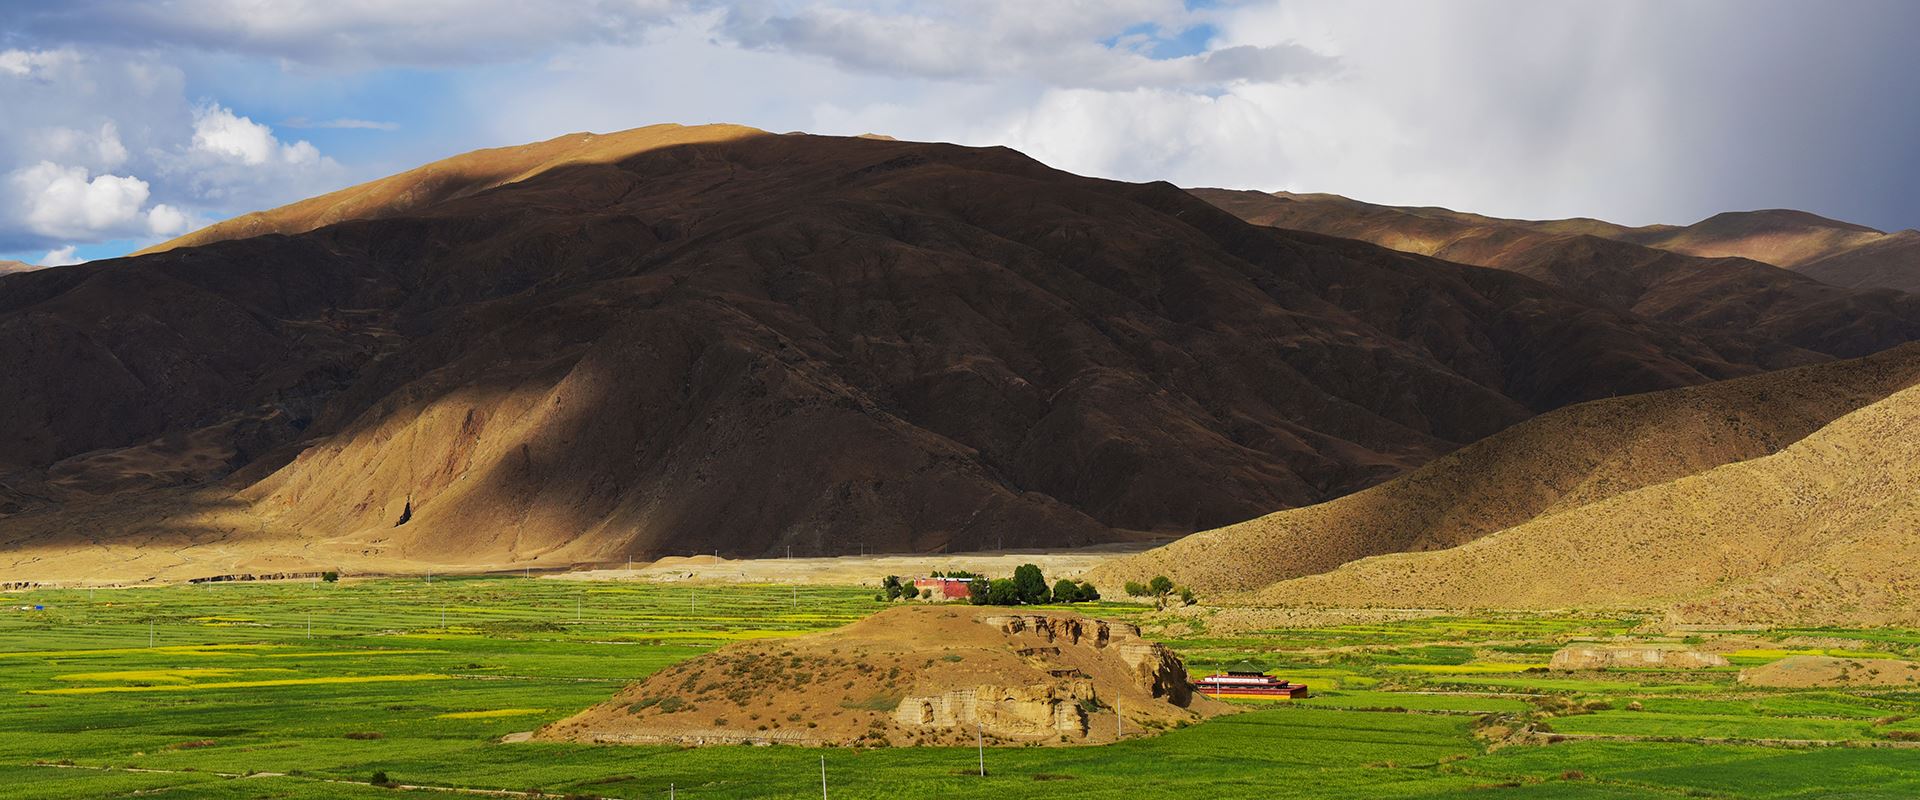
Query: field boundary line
x,y
312,778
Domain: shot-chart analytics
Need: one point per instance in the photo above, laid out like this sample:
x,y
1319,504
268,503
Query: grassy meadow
x,y
310,690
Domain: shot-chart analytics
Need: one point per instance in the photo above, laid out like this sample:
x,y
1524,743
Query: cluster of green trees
x,y
894,588
1029,587
1162,590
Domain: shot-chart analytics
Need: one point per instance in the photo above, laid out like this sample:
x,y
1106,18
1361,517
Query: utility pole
x,y
149,633
689,599
981,732
309,624
576,610
1117,719
823,778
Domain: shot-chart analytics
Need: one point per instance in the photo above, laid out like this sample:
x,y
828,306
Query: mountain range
x,y
715,339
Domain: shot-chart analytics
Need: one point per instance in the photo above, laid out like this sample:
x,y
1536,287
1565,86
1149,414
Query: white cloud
x,y
61,257
165,221
221,133
63,202
99,149
34,63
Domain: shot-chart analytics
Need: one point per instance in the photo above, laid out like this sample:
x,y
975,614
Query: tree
x,y
1065,592
1186,596
1086,592
1137,589
1160,585
1031,585
977,591
893,587
330,576
1002,592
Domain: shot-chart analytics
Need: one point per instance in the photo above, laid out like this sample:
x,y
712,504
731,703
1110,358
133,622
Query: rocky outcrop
x,y
916,675
1154,667
1009,712
1643,657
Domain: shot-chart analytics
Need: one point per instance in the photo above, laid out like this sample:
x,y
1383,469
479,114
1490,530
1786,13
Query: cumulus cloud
x,y
61,257
65,202
223,134
107,146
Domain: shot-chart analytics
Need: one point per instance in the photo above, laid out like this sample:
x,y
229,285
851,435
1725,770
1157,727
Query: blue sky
x,y
129,123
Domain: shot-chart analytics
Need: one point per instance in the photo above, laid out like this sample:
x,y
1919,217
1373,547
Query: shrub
x,y
1065,592
1031,585
1137,589
330,576
1086,591
1002,592
380,778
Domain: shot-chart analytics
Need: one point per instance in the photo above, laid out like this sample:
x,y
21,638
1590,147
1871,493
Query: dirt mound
x,y
687,340
913,675
1554,463
1645,657
1719,274
1804,672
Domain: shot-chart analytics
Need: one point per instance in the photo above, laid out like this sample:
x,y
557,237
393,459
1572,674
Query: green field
x,y
307,690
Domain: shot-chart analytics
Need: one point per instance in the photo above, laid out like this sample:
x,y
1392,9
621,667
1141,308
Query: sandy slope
x,y
1552,464
1825,531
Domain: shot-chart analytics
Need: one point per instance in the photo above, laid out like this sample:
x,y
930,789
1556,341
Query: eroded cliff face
x,y
917,675
1608,657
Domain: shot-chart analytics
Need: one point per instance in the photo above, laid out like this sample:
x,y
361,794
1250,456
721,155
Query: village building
x,y
944,588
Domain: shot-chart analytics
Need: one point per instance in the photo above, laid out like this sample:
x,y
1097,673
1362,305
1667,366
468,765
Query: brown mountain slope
x,y
1892,261
1563,460
704,339
15,266
1825,532
1603,260
1781,237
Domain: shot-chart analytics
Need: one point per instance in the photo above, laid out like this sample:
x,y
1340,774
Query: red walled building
x,y
944,588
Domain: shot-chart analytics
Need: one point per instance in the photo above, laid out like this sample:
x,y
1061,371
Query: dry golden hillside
x,y
458,177
1825,531
1554,463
